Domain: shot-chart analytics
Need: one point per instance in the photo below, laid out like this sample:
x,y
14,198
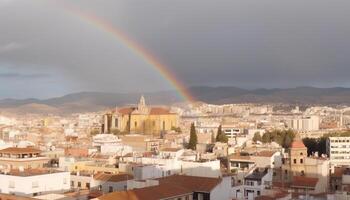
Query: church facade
x,y
141,119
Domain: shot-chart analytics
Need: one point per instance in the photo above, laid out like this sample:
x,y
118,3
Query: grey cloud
x,y
251,44
15,75
12,46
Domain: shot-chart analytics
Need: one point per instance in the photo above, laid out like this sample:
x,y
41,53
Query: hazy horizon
x,y
166,91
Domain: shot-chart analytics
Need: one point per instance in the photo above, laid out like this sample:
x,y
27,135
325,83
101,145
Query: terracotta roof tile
x,y
126,111
17,150
160,111
302,182
297,144
113,177
195,183
265,153
163,191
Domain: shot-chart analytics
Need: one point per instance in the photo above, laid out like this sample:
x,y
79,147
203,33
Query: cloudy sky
x,y
46,50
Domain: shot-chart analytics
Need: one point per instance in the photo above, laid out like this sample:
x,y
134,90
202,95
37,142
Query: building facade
x,y
338,150
140,119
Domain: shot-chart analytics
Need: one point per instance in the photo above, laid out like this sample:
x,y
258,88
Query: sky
x,y
48,51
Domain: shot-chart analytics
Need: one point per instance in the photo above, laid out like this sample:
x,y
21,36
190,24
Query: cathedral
x,y
140,119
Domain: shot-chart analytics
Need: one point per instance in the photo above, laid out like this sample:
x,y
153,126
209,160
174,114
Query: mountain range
x,y
95,101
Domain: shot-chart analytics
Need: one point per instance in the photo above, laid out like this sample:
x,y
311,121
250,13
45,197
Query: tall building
x,y
309,123
338,150
140,119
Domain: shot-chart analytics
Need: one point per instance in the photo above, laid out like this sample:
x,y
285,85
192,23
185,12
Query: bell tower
x,y
142,107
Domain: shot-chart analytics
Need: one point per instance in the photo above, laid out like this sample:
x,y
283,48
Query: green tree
x,y
193,138
115,131
220,136
257,137
283,138
94,132
287,142
176,129
266,137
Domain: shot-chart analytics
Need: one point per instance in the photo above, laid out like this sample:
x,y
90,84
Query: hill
x,y
95,101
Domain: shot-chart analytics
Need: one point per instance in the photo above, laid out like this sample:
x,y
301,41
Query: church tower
x,y
142,107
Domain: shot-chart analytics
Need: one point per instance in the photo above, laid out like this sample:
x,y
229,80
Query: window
x,y
35,184
116,122
79,184
295,161
285,171
72,183
12,184
135,124
232,181
301,153
87,185
163,125
100,187
110,189
301,161
258,193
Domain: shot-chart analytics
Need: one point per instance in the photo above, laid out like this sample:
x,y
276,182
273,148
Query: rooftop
x,y
237,157
195,183
30,172
169,187
163,191
171,149
304,182
256,175
297,144
113,177
17,150
265,153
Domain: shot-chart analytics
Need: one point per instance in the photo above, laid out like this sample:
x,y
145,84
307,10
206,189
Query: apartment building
x,y
338,150
305,123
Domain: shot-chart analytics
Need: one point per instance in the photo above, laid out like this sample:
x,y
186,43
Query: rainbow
x,y
137,49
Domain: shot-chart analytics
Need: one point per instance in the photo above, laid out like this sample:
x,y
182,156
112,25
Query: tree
x,y
94,132
221,137
283,138
266,137
176,129
257,137
115,131
193,138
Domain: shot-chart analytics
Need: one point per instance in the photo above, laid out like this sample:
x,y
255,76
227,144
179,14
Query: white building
x,y
33,182
110,144
170,162
308,123
338,150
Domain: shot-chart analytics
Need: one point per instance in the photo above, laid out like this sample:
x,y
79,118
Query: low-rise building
x,y
33,182
179,187
28,157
